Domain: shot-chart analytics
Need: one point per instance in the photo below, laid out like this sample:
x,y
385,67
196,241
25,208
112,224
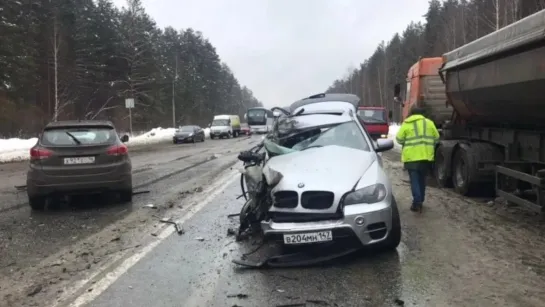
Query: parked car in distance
x,y
245,129
188,134
78,157
227,126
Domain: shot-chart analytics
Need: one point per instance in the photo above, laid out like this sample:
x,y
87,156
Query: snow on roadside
x,y
155,135
394,128
15,149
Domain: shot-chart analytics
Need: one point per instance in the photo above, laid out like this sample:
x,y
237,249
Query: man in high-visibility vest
x,y
417,136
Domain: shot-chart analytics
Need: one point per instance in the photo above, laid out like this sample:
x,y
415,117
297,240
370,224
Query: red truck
x,y
376,120
487,98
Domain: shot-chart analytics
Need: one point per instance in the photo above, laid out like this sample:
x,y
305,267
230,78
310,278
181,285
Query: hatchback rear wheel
x,y
37,203
125,196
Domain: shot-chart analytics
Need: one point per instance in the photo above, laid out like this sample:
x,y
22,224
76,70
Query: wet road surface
x,y
458,252
43,252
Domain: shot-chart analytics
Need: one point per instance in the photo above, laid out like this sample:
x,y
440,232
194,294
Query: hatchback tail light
x,y
118,150
39,153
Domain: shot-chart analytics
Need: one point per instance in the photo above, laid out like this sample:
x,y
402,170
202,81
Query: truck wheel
x,y
440,169
463,168
37,203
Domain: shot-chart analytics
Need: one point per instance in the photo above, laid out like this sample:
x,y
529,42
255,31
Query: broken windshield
x,y
346,134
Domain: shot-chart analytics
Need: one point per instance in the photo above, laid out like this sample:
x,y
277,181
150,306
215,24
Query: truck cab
x,y
425,89
376,120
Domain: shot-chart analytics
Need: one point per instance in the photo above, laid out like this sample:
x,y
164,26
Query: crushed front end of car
x,y
334,197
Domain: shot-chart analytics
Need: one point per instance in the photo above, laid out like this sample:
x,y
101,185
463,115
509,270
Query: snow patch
x,y
155,135
16,149
392,132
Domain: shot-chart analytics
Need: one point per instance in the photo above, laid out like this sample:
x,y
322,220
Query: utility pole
x,y
173,93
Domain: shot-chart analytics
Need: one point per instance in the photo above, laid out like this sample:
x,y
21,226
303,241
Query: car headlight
x,y
368,195
191,134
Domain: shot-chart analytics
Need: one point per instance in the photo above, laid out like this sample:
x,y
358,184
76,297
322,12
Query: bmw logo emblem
x,y
301,185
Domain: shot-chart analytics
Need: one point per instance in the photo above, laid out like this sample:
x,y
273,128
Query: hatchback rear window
x,y
79,136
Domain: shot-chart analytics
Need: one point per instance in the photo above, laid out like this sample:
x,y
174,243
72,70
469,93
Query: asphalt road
x,y
458,252
42,252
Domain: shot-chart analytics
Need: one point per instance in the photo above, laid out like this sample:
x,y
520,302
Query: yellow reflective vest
x,y
418,136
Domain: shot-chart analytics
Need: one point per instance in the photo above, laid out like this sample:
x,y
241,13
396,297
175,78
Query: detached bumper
x,y
377,223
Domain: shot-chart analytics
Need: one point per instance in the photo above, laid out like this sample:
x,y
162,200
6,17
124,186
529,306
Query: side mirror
x,y
384,145
397,90
125,138
390,115
397,93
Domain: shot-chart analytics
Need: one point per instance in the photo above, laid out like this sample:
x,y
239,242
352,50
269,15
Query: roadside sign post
x,y
129,104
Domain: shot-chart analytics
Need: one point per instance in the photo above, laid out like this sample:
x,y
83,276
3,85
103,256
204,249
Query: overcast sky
x,y
284,50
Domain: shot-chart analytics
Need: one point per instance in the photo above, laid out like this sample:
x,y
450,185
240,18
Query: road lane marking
x,y
105,282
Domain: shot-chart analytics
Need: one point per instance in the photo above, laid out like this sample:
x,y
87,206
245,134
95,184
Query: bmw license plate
x,y
79,160
308,237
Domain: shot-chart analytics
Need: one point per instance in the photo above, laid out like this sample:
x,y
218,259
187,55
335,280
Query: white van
x,y
225,126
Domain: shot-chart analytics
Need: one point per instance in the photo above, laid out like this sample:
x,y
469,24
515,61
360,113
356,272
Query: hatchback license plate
x,y
79,160
309,237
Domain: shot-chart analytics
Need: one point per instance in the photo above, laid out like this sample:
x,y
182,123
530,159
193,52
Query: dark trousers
x,y
418,185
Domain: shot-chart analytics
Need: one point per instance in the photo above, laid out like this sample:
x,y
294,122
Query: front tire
x,y
394,236
463,168
440,169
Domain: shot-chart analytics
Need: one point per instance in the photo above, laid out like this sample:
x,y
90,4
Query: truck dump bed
x,y
499,79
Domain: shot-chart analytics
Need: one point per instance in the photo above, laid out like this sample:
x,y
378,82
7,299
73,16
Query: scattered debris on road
x,y
20,187
151,206
140,192
239,295
177,225
199,239
231,232
399,302
35,290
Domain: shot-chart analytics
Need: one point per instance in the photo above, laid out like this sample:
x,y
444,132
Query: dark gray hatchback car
x,y
78,157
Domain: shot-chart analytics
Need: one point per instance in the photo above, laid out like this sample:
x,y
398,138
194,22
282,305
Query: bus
x,y
260,120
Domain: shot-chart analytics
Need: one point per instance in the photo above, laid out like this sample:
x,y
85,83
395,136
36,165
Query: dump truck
x,y
488,100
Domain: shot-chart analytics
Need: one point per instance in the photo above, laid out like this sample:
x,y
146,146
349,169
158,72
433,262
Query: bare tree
x,y
56,41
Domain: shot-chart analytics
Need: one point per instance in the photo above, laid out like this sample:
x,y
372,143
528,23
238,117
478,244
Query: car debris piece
x,y
199,239
318,302
177,225
239,295
151,206
140,192
20,187
399,302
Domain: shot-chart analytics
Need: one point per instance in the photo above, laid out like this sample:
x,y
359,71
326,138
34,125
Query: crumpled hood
x,y
329,168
